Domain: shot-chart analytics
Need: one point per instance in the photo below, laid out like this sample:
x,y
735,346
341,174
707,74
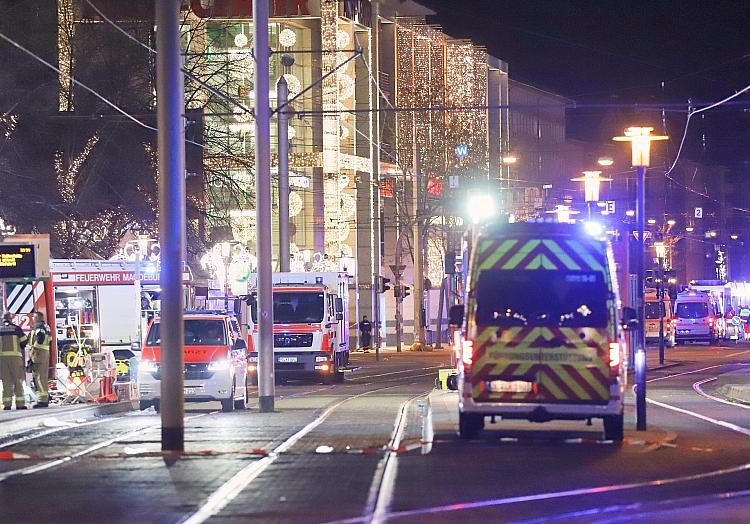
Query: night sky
x,y
619,52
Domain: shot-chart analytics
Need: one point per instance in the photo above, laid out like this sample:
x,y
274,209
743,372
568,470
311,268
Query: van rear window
x,y
652,311
692,309
541,298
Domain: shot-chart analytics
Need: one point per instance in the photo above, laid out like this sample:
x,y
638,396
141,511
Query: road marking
x,y
103,444
693,371
384,480
698,389
394,373
722,423
228,491
738,353
595,490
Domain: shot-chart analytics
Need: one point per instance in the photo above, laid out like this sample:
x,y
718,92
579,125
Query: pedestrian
x,y
365,333
12,369
40,341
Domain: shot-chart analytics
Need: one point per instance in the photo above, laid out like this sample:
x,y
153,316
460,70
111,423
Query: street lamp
x,y
563,213
591,181
605,161
661,254
640,139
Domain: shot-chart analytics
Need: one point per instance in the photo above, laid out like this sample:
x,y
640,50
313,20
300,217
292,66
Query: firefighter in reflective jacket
x,y
40,341
12,370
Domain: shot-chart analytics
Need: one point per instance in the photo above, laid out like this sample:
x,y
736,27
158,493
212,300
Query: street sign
x,y
698,212
453,181
610,207
462,151
397,269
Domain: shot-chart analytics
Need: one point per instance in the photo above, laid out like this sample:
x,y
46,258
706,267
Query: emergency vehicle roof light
x,y
595,229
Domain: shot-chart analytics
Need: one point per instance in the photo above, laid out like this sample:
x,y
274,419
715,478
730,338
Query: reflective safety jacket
x,y
40,337
12,340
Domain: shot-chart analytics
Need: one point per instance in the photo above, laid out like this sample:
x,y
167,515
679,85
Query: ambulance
x,y
654,313
540,335
215,357
311,326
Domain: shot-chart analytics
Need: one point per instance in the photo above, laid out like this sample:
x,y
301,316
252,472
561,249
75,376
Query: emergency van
x,y
653,315
540,338
215,357
311,326
697,316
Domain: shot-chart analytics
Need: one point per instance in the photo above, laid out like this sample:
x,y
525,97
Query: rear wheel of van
x,y
614,427
470,425
227,405
242,403
144,404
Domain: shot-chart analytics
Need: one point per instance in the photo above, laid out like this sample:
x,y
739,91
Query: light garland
x,y
240,40
342,39
435,260
295,204
287,37
346,86
295,86
67,176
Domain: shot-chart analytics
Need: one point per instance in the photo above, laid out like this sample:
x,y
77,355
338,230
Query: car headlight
x,y
148,366
218,365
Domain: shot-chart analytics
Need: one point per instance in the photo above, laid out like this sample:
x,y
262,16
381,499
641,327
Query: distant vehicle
x,y
653,314
697,317
540,338
311,326
215,362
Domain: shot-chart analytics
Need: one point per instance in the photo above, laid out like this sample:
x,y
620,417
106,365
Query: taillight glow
x,y
614,354
467,352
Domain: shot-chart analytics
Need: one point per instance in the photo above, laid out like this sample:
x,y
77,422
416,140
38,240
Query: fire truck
x,y
103,304
311,326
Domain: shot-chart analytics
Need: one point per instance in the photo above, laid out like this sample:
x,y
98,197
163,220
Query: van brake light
x,y
467,352
614,354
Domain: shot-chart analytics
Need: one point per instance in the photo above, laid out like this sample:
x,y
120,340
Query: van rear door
x,y
544,317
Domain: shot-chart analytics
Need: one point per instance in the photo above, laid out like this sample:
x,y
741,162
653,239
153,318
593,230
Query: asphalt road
x,y
382,447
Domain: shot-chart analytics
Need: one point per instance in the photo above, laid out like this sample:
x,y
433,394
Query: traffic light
x,y
383,284
405,292
397,290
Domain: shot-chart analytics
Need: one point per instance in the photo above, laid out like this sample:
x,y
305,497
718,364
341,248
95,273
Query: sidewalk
x,y
16,421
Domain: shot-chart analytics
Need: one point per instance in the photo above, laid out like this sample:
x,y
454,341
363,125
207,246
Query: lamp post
x,y
661,253
591,181
640,139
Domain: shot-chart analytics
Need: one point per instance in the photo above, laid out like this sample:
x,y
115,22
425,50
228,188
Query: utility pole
x,y
398,289
661,310
170,104
282,97
375,180
640,350
418,247
264,246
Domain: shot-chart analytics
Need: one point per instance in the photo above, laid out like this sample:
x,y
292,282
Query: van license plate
x,y
510,386
287,359
190,391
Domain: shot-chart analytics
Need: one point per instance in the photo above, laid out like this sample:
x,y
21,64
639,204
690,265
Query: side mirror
x,y
339,315
339,306
629,318
456,315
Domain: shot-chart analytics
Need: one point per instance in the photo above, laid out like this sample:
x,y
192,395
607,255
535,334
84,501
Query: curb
x,y
32,420
735,393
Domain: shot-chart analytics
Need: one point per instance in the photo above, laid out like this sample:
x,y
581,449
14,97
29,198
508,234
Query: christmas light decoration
x,y
295,204
287,37
240,40
65,32
346,86
435,260
295,86
342,39
67,176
